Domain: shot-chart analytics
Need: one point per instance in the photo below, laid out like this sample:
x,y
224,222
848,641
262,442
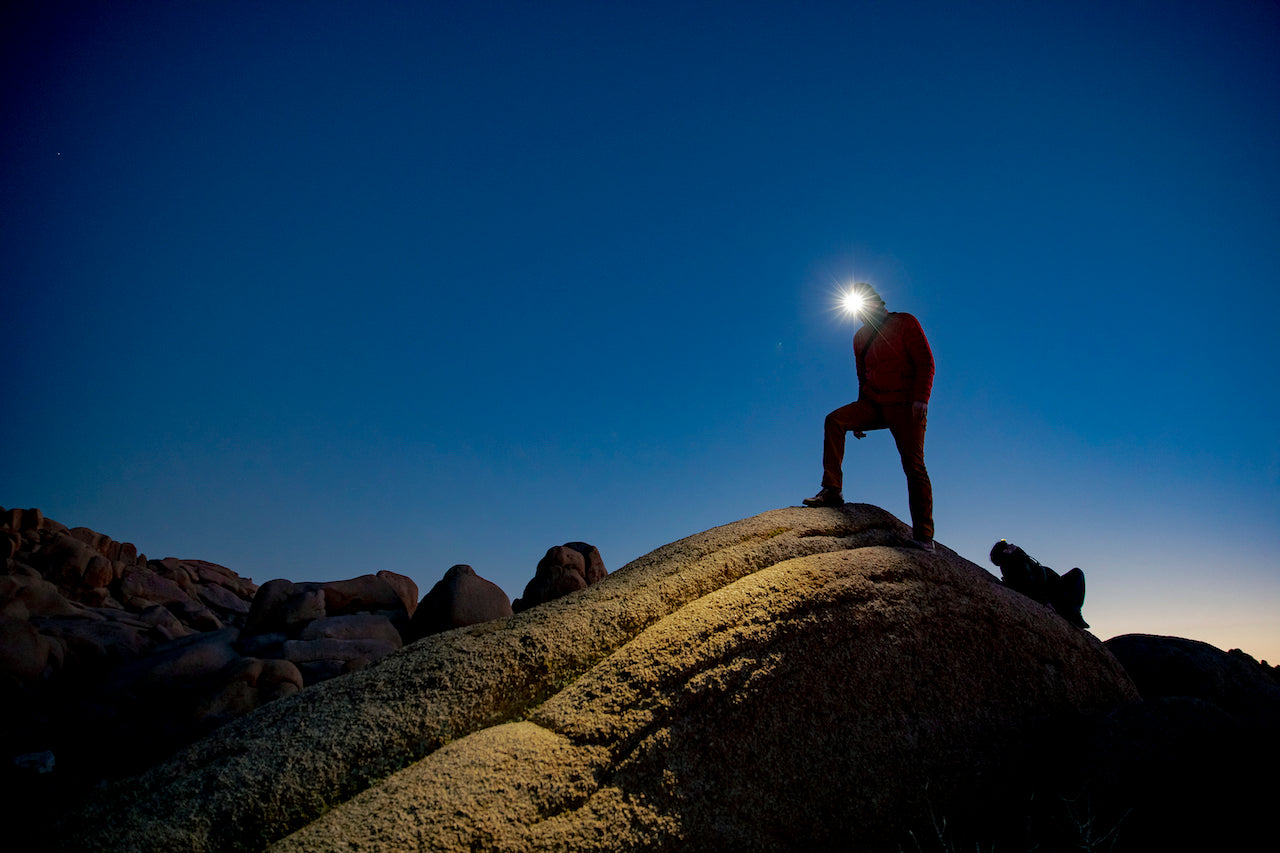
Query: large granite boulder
x,y
24,651
800,679
1172,666
458,599
404,587
1189,765
564,569
245,685
282,606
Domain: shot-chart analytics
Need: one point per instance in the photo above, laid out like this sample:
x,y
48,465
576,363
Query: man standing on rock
x,y
895,378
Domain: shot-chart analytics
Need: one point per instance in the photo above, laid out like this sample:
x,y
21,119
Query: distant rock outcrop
x,y
1188,762
330,628
1165,667
459,599
98,602
110,661
796,680
565,568
89,627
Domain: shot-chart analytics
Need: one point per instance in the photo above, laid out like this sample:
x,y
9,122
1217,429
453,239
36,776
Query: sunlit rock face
x,y
796,679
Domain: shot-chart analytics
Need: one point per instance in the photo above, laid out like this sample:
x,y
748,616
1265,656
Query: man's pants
x,y
908,434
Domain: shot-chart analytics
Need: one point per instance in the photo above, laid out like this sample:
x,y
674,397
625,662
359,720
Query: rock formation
x,y
1165,667
799,679
1192,763
79,615
331,628
459,599
110,661
565,568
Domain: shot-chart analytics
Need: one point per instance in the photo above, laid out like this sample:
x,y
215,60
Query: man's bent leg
x,y
855,416
908,434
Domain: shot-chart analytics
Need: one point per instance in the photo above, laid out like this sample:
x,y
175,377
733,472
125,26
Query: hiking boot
x,y
924,545
827,497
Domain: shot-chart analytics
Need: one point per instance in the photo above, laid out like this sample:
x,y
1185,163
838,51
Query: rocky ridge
x,y
795,678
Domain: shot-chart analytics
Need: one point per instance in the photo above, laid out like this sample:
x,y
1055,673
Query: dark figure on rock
x,y
895,379
1021,573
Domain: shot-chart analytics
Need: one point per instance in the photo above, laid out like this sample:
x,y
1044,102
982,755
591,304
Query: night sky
x,y
313,289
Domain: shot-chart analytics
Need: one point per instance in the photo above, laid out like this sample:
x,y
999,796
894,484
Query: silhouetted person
x,y
895,378
1021,573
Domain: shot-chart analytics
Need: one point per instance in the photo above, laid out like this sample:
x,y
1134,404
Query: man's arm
x,y
860,357
921,356
860,361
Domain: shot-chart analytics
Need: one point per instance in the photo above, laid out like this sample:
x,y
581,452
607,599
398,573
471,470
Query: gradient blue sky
x,y
316,289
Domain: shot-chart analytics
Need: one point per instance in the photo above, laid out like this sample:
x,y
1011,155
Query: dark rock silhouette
x,y
89,627
458,599
111,661
1165,667
565,568
1181,770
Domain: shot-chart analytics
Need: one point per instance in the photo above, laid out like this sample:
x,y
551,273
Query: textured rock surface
x,y
365,609
794,678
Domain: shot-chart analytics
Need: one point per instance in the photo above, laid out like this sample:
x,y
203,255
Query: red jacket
x,y
897,366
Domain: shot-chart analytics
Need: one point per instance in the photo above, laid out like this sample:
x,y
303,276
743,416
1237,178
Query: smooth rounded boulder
x,y
868,686
459,599
802,678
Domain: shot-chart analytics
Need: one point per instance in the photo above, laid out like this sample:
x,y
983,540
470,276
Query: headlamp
x,y
853,301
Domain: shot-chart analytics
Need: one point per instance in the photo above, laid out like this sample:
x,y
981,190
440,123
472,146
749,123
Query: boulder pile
x,y
327,629
110,661
78,601
89,627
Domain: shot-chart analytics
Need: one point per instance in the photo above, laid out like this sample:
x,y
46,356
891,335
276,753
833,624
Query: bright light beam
x,y
852,302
